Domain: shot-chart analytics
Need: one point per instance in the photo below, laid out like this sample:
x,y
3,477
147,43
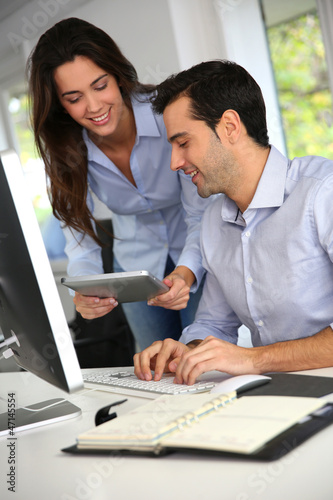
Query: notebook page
x,y
153,420
246,425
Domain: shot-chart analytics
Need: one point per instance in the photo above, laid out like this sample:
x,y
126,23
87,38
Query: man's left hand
x,y
214,354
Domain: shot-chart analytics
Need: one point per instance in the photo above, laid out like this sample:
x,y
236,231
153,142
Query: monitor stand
x,y
36,415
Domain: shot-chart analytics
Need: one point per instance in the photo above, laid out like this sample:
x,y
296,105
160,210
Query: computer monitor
x,y
30,306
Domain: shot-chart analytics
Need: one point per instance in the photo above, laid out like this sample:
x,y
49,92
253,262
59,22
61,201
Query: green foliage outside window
x,y
298,58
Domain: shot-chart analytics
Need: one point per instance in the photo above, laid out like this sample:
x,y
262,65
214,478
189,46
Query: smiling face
x,y
198,151
91,96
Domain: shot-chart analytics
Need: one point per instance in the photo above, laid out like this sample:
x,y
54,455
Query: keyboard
x,y
125,382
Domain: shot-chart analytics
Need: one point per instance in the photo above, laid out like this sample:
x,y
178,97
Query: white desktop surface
x,y
43,472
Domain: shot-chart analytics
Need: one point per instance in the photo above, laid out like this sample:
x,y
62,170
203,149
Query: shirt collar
x,y
270,189
144,118
271,186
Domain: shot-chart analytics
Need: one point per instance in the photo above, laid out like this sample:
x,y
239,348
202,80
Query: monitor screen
x,y
30,306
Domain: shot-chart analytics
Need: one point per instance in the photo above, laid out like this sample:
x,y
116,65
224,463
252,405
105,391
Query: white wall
x,y
143,31
196,31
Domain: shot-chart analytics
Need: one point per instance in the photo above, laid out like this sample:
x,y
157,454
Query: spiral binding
x,y
214,405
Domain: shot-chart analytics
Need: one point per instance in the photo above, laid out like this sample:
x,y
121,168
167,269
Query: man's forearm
x,y
294,355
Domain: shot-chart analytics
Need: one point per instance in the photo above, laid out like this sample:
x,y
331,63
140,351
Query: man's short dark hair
x,y
213,87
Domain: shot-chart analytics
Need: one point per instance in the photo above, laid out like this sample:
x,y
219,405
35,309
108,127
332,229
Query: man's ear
x,y
229,126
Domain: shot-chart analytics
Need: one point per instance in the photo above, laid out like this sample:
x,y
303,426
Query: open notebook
x,y
212,423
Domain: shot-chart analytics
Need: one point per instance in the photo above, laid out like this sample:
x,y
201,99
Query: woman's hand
x,y
93,307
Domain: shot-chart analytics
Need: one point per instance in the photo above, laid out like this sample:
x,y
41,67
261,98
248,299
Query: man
x,y
267,242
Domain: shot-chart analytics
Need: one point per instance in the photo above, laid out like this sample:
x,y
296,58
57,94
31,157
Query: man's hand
x,y
214,354
93,307
179,282
189,361
158,357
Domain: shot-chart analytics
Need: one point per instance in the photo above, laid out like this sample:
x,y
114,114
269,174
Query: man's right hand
x,y
161,356
93,307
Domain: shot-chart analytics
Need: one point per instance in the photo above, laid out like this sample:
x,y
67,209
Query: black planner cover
x,y
292,384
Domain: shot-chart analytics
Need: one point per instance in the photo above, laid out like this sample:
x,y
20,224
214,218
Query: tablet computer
x,y
133,286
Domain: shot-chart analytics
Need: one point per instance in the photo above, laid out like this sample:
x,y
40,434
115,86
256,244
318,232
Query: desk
x,y
43,472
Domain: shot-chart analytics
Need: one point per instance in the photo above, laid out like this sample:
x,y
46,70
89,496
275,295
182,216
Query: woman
x,y
96,132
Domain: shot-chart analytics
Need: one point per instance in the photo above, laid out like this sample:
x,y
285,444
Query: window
x,y
298,58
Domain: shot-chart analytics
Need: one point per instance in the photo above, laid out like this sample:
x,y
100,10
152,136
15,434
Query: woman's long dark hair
x,y
58,137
